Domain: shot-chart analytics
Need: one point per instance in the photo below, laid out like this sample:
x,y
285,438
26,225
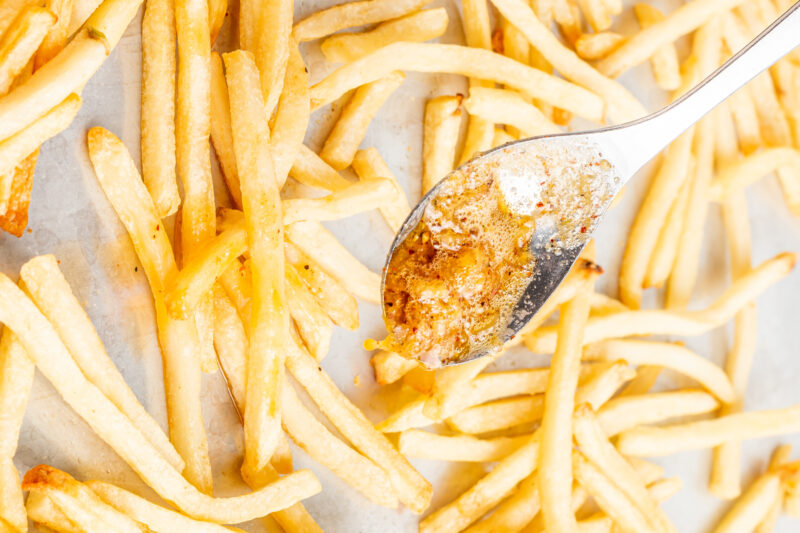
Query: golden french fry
x,y
500,414
81,11
625,412
620,105
369,164
555,463
313,325
42,510
480,134
309,169
352,14
753,506
16,148
664,61
216,17
668,355
638,323
411,488
221,135
439,138
125,190
48,288
597,14
508,107
231,345
19,43
69,71
158,105
427,445
83,507
567,15
15,196
593,46
319,244
646,377
502,137
683,20
269,321
389,366
744,114
514,513
51,357
291,116
473,62
603,383
16,378
10,9
415,27
351,127
780,456
741,173
324,447
330,294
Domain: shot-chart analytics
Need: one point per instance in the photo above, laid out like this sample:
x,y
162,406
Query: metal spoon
x,y
627,147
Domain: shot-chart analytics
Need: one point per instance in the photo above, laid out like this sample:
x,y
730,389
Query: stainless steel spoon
x,y
627,147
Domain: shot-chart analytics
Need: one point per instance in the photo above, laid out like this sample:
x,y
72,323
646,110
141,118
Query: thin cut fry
x,y
231,344
269,321
427,445
738,175
291,116
439,138
313,325
507,107
267,27
416,27
626,412
593,46
221,135
390,367
646,377
216,17
21,40
744,115
16,148
620,105
567,15
352,14
309,169
596,13
456,59
683,20
500,414
14,217
555,463
664,61
514,513
753,506
158,105
369,164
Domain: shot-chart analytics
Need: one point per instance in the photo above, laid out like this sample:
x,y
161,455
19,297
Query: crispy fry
x,y
427,445
122,184
593,46
507,107
646,377
664,60
415,27
16,148
500,414
369,164
567,15
313,325
502,137
753,506
20,42
683,20
352,14
439,138
42,510
309,169
231,344
620,105
514,513
158,105
269,321
456,59
626,412
746,119
221,135
389,366
291,116
14,215
672,356
216,17
597,14
264,30
739,174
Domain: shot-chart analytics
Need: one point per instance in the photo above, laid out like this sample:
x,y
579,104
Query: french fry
x,y
427,445
324,447
125,190
579,497
602,385
221,134
269,321
158,105
47,287
439,138
157,518
741,173
638,323
351,127
665,440
43,511
515,512
369,164
231,345
352,14
16,378
472,62
609,496
500,414
309,169
69,71
83,507
313,325
331,295
81,11
683,20
668,355
14,210
620,105
10,9
555,467
390,367
291,115
602,454
780,456
51,357
753,506
646,377
502,137
744,114
593,46
597,14
320,245
625,412
507,107
664,60
567,15
16,148
415,27
216,17
20,42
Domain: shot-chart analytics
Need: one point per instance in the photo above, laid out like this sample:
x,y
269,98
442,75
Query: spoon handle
x,y
648,136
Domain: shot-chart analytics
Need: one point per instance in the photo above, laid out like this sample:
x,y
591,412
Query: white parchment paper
x,y
71,218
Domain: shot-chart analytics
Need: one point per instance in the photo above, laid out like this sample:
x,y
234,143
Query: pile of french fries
x,y
254,288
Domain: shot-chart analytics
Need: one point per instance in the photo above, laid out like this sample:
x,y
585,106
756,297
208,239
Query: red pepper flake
x,y
540,204
158,227
583,229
